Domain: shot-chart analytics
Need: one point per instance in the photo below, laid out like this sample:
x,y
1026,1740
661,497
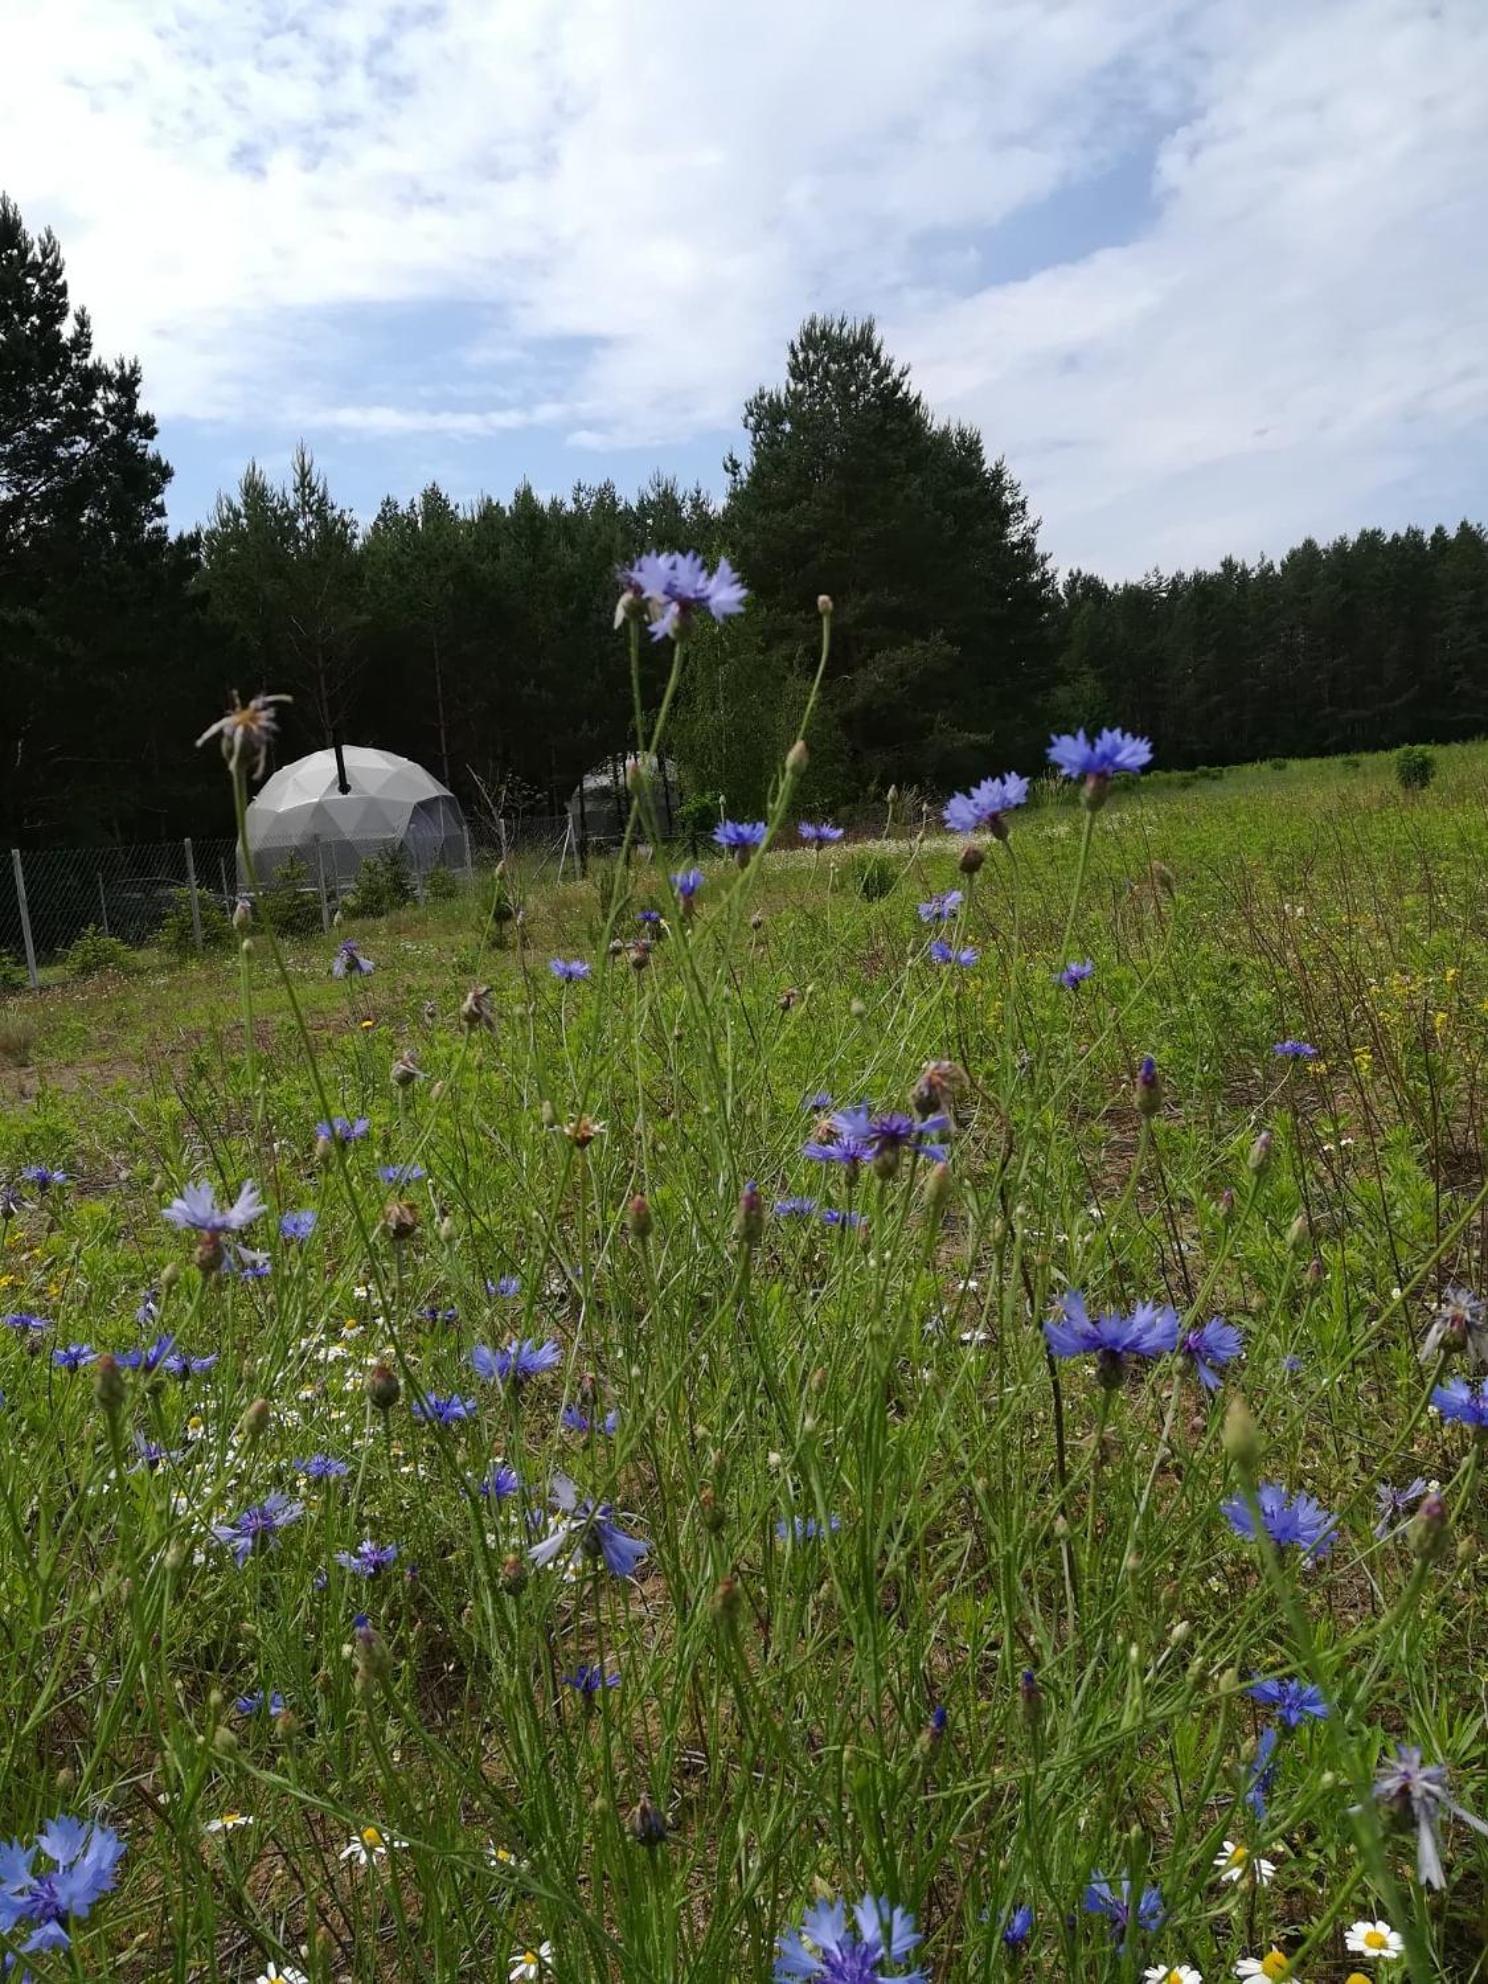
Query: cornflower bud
x,y
400,1220
824,604
638,1213
1240,1436
1260,1151
242,915
972,857
749,1222
256,1419
647,1825
797,758
108,1384
383,1388
1149,1087
1428,1530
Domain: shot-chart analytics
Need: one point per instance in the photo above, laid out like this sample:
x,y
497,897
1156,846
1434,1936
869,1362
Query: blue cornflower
x,y
432,1313
74,1356
818,833
1457,1400
941,908
845,1137
322,1467
505,1286
1101,1898
248,1265
894,1131
1295,1702
42,1176
443,1411
341,1131
795,1208
251,1704
401,1174
587,1529
197,1208
1113,751
368,1559
985,805
1295,1050
688,882
739,838
1018,1927
151,1454
349,962
568,969
501,1482
1074,975
578,1421
148,1312
180,1365
806,1529
1289,1520
1213,1344
296,1225
24,1323
835,1216
1147,1332
518,1363
10,1201
1395,1505
149,1358
258,1528
1417,1791
943,953
591,1680
651,917
84,1857
837,1955
676,583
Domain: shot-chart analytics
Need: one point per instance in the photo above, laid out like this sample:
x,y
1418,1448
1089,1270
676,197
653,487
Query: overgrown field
x,y
321,1597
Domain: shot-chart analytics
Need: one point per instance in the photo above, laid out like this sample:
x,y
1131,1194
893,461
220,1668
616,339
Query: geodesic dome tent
x,y
388,801
599,805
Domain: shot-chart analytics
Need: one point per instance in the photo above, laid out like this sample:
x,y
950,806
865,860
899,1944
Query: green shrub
x,y
384,883
1351,764
290,905
697,817
440,885
12,973
1279,764
1415,767
93,953
177,932
874,876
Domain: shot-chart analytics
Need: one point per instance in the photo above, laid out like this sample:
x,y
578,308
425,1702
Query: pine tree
x,y
93,607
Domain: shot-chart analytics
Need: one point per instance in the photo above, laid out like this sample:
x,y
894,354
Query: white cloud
x,y
631,206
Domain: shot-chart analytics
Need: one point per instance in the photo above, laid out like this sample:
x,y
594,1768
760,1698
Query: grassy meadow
x,y
341,1638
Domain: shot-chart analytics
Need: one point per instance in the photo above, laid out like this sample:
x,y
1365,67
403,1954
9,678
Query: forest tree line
x,y
478,639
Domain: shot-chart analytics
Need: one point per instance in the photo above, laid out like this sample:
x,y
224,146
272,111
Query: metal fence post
x,y
325,901
20,882
196,929
102,903
469,859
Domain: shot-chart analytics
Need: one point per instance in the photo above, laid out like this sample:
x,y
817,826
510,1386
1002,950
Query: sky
x,y
1208,273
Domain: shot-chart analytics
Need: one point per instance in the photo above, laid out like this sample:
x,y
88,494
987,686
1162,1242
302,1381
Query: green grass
x,y
775,1696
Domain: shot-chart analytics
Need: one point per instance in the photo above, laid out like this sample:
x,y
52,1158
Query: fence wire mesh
x,y
180,894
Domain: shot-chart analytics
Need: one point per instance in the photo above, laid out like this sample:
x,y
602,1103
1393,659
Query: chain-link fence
x,y
75,904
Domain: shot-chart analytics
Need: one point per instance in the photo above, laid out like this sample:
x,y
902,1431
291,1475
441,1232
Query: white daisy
x,y
274,1975
1180,1973
370,1844
1375,1939
229,1822
1235,1861
527,1965
1267,1969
